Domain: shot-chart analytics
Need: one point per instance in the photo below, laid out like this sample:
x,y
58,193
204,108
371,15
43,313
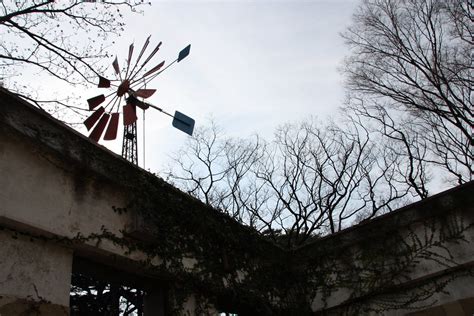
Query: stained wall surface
x,y
57,184
46,193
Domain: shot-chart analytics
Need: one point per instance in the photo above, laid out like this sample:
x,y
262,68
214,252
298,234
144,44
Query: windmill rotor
x,y
128,87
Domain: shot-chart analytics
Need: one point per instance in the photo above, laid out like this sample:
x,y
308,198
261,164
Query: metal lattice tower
x,y
129,145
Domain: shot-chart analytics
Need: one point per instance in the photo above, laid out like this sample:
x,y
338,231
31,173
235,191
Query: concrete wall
x,y
34,275
438,269
46,193
42,191
56,184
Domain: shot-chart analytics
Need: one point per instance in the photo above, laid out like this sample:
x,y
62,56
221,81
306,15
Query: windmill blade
x,y
143,48
111,132
184,53
129,115
183,122
152,54
95,101
140,56
91,120
130,53
99,129
154,69
103,82
116,66
132,100
145,93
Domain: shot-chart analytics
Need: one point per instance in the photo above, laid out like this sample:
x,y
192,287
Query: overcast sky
x,y
253,64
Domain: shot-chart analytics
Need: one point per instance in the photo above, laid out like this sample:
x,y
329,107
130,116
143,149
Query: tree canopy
x,y
410,71
65,39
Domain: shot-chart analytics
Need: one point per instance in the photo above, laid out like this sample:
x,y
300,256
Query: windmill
x,y
129,90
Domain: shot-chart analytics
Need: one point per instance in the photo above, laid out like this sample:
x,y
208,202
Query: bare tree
x,y
200,166
323,177
414,57
65,39
215,169
399,138
311,180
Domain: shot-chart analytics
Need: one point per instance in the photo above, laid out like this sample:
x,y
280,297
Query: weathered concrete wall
x,y
46,193
58,186
61,185
33,275
427,246
41,191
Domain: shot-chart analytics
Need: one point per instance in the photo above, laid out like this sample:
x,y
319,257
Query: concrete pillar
x,y
35,276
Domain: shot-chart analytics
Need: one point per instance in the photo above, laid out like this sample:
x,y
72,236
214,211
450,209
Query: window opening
x,y
100,290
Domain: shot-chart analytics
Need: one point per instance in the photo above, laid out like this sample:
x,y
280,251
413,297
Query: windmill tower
x,y
129,143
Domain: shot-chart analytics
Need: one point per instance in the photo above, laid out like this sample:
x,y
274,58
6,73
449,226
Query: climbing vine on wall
x,y
206,254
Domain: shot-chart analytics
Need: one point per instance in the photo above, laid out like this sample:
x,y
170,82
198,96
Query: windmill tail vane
x,y
180,121
127,88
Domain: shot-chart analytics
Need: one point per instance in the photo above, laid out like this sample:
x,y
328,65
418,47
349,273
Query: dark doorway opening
x,y
98,289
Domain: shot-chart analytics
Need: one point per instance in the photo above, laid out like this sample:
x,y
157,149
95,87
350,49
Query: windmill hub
x,y
123,88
